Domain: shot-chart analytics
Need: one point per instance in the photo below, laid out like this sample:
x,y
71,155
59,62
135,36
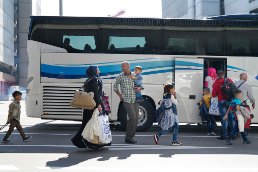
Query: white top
x,y
210,82
175,101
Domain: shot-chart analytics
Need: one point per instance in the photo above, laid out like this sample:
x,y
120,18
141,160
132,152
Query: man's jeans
x,y
176,127
236,130
223,107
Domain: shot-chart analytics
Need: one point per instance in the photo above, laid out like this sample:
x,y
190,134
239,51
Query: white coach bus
x,y
169,50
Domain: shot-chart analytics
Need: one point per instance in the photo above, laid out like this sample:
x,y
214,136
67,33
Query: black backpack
x,y
228,89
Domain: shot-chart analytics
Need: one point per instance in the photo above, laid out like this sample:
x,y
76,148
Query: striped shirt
x,y
247,93
126,87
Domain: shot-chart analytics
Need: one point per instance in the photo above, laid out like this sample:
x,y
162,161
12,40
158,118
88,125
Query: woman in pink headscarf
x,y
210,79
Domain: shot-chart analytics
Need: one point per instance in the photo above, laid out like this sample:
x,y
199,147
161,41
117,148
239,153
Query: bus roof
x,y
236,17
219,21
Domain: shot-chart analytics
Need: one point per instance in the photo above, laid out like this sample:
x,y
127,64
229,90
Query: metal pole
x,y
60,7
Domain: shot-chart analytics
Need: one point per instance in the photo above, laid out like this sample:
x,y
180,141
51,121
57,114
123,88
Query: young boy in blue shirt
x,y
138,82
237,102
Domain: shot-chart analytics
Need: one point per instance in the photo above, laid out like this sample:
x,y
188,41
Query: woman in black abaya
x,y
93,84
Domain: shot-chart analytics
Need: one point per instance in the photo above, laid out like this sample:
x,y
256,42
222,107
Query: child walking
x,y
138,82
236,102
14,117
204,110
169,118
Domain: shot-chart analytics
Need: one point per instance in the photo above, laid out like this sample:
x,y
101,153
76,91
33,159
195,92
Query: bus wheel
x,y
145,118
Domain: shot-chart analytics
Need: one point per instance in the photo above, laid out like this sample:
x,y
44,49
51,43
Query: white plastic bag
x,y
104,129
214,109
92,128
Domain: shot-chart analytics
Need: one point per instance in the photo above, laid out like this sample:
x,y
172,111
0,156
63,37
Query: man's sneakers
x,y
221,137
228,142
211,134
156,138
176,143
27,138
247,142
6,141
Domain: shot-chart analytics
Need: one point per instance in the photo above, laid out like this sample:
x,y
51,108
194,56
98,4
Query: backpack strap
x,y
240,85
222,91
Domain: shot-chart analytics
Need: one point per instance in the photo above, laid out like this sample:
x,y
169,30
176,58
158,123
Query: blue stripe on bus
x,y
232,67
58,76
185,63
112,69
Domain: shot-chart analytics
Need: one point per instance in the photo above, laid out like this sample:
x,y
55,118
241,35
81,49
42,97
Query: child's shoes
x,y
156,138
27,138
176,143
228,142
247,142
6,141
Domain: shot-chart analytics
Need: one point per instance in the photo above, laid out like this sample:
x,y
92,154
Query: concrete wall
x,y
239,6
207,8
7,32
25,10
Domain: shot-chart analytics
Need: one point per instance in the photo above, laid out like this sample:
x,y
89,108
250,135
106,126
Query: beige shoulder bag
x,y
83,100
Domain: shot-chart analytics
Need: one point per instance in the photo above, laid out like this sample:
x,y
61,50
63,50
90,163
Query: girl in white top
x,y
210,79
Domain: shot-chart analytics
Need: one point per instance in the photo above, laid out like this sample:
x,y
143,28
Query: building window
x,y
15,38
15,23
251,1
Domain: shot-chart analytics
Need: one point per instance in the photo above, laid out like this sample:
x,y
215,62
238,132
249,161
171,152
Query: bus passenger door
x,y
189,88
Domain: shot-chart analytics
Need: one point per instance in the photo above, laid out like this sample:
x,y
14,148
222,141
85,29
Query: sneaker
x,y
221,137
234,138
208,134
176,143
237,135
6,141
228,142
156,138
212,133
27,138
247,142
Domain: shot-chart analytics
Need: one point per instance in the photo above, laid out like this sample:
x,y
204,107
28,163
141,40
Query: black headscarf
x,y
91,72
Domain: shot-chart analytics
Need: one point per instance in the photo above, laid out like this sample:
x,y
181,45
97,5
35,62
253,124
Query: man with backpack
x,y
224,88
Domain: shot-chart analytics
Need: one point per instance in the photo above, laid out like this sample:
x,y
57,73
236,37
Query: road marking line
x,y
8,167
125,147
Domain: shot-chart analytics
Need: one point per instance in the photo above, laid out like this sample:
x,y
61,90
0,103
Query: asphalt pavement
x,y
50,148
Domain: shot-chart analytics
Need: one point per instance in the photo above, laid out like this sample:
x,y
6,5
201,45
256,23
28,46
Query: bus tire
x,y
145,119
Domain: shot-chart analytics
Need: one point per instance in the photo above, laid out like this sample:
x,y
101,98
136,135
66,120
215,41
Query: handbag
x,y
83,100
106,102
214,109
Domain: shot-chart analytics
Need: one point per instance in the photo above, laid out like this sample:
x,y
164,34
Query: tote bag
x,y
91,130
214,109
104,129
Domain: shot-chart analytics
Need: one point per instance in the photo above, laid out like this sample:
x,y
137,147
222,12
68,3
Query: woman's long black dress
x,y
94,85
